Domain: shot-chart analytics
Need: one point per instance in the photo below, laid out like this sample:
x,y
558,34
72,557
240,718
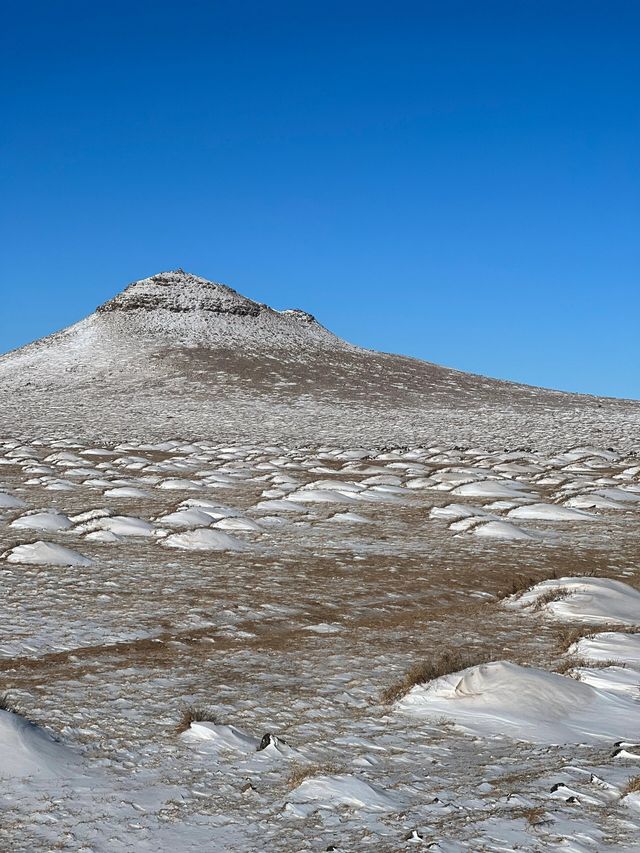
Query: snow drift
x,y
590,600
27,750
503,698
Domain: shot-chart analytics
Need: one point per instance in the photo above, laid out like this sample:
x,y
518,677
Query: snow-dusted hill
x,y
183,310
177,355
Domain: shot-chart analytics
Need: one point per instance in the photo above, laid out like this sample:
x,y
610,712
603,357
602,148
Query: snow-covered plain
x,y
280,599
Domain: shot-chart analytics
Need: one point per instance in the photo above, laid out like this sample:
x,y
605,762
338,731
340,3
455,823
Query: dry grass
x,y
300,772
194,714
568,636
575,662
521,583
632,786
7,704
12,707
550,596
535,816
421,673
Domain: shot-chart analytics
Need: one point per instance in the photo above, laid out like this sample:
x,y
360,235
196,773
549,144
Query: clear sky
x,y
458,181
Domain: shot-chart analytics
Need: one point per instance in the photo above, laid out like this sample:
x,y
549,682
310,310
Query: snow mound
x,y
332,486
320,496
350,518
120,525
327,792
549,512
10,502
186,518
494,489
619,495
46,520
180,485
593,502
590,600
46,554
28,750
126,492
238,523
90,514
323,628
105,536
502,530
221,738
609,645
618,679
126,525
456,512
214,510
60,486
503,698
204,540
280,506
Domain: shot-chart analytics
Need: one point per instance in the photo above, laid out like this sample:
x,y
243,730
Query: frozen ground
x,y
279,593
286,591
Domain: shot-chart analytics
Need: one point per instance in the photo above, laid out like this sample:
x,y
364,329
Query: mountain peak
x,y
176,307
178,291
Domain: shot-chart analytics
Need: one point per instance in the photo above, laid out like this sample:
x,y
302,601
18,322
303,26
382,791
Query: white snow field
x,y
266,591
284,624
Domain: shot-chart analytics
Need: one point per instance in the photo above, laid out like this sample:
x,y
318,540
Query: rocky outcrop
x,y
182,292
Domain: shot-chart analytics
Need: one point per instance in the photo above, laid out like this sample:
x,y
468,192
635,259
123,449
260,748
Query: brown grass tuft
x,y
574,662
300,772
568,636
7,704
551,595
194,714
535,816
521,583
632,786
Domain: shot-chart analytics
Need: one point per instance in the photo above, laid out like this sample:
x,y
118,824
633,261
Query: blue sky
x,y
455,181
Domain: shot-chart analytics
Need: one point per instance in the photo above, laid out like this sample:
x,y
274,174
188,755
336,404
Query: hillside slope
x,y
177,355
